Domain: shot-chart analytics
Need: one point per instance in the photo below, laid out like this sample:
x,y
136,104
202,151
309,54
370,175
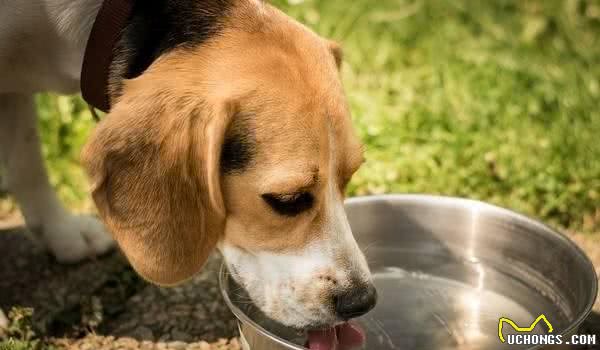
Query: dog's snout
x,y
356,302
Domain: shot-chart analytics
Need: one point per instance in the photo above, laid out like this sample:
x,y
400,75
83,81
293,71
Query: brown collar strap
x,y
109,24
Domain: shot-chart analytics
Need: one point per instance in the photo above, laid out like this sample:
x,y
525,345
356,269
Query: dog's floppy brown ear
x,y
337,52
154,167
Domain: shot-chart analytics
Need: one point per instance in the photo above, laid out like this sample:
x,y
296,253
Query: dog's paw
x,y
73,238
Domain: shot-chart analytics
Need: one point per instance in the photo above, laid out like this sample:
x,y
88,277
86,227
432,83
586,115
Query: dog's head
x,y
243,143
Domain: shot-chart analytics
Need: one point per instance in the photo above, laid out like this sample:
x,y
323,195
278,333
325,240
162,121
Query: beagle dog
x,y
228,130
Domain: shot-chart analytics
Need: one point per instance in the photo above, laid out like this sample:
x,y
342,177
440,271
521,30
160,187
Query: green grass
x,y
65,123
19,334
493,100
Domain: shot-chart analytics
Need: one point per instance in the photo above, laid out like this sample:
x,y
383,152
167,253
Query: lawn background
x,y
492,100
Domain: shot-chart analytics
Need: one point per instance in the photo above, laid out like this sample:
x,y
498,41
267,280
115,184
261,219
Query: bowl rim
x,y
574,325
241,316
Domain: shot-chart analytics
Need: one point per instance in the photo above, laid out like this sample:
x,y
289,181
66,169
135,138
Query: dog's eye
x,y
289,204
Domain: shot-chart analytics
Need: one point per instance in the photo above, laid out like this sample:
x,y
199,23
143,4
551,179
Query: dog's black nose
x,y
356,302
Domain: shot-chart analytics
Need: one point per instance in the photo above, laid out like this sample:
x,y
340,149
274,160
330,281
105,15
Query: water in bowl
x,y
420,311
429,302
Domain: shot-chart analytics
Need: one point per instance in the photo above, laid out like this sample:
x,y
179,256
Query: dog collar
x,y
106,31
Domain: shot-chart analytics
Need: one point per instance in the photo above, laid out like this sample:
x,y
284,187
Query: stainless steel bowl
x,y
447,269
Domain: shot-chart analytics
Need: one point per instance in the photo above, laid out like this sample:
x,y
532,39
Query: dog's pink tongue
x,y
322,339
350,335
343,337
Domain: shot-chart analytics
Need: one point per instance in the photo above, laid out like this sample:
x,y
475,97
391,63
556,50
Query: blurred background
x,y
492,100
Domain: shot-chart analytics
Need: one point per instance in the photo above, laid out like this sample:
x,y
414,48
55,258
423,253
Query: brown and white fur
x,y
238,138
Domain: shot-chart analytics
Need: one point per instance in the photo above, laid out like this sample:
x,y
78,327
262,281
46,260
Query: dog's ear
x,y
337,52
154,167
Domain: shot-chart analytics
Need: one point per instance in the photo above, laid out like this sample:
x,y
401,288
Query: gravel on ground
x,y
103,304
103,301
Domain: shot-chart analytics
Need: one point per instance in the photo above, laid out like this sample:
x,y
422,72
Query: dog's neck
x,y
55,33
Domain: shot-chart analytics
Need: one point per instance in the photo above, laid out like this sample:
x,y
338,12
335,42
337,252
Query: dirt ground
x,y
103,304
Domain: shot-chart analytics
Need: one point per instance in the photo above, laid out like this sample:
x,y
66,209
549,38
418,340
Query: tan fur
x,y
154,168
154,160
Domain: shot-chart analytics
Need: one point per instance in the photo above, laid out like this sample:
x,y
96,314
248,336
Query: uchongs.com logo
x,y
524,336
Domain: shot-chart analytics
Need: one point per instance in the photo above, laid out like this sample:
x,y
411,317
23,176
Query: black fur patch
x,y
239,148
158,26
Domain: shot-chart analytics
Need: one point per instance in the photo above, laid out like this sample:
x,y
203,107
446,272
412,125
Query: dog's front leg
x,y
69,237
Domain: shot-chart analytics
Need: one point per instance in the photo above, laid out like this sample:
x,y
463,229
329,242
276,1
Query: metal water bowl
x,y
448,270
